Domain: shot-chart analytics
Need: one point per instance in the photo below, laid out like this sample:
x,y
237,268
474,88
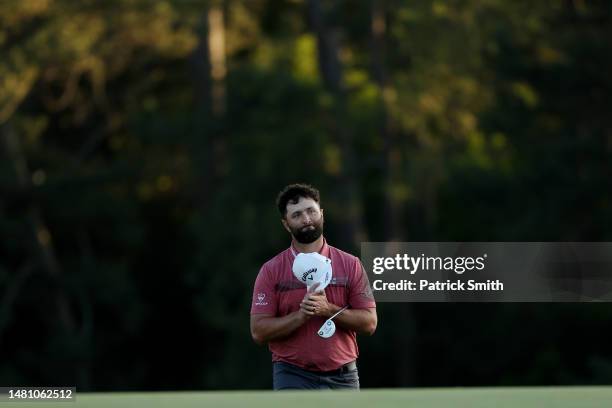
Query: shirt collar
x,y
323,251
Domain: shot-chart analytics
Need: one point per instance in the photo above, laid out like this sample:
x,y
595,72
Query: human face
x,y
304,220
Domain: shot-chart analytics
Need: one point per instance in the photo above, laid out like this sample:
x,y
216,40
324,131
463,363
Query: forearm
x,y
272,328
362,321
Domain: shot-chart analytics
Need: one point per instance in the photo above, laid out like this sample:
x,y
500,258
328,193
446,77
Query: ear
x,y
285,225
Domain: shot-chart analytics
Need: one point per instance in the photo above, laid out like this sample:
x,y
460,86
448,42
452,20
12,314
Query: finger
x,y
316,298
307,311
313,307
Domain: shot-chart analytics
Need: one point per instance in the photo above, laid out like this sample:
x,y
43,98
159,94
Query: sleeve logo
x,y
260,300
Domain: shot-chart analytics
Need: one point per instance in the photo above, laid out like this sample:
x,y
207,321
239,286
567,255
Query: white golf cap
x,y
311,268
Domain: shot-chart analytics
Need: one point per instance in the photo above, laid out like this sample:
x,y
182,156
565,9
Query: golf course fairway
x,y
507,397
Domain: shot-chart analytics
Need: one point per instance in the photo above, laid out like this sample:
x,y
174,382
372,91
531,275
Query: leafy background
x,y
143,144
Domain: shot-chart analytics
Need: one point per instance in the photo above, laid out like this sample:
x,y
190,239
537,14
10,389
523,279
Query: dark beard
x,y
309,235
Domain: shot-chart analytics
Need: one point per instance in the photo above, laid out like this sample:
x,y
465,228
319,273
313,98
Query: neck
x,y
314,246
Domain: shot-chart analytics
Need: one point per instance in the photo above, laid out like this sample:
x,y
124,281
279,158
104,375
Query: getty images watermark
x,y
489,271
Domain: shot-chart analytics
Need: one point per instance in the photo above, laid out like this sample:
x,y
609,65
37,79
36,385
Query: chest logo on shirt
x,y
260,299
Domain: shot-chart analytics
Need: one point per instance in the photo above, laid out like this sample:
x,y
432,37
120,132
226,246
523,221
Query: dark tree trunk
x,y
350,222
209,72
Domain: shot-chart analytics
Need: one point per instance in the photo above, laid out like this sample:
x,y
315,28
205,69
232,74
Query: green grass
x,y
523,397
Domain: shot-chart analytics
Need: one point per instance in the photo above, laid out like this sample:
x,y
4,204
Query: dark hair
x,y
292,194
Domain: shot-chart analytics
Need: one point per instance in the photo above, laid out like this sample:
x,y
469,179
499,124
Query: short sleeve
x,y
360,292
264,294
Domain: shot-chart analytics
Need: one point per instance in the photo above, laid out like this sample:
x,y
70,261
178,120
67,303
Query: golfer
x,y
287,316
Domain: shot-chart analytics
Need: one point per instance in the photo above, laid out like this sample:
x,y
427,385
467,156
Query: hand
x,y
305,314
315,304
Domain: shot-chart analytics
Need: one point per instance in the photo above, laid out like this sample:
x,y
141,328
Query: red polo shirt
x,y
277,292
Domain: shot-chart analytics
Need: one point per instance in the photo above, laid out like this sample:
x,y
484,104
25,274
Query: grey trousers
x,y
286,376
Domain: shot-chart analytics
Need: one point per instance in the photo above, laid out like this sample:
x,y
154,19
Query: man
x,y
287,317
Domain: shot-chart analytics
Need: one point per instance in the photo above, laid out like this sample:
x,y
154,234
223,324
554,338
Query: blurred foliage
x,y
135,216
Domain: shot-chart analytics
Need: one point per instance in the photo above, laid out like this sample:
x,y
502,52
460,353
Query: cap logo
x,y
309,272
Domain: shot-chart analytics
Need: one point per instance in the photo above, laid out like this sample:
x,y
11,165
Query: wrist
x,y
332,310
302,317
